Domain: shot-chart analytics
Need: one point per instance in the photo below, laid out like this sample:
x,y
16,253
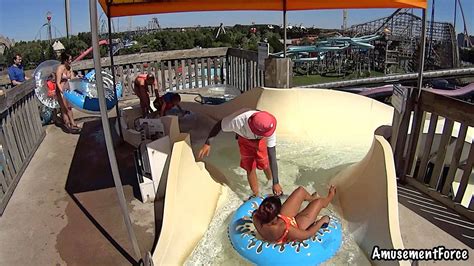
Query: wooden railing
x,y
426,165
242,69
20,135
185,69
175,70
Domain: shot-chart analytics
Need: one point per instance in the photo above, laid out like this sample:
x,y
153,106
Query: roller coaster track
x,y
467,39
404,28
451,73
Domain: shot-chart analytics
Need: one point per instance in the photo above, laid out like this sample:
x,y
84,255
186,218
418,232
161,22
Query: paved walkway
x,y
65,210
436,213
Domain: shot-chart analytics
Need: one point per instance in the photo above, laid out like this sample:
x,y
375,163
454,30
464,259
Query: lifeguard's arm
x,y
273,164
214,131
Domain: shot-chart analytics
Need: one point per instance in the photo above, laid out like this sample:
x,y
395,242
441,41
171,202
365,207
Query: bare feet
x,y
72,130
330,196
76,126
332,192
325,221
315,196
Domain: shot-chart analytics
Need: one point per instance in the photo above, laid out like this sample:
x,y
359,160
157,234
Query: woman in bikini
x,y
63,74
284,223
140,87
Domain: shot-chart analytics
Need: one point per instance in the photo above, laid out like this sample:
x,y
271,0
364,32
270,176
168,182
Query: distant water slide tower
x,y
344,19
49,15
49,29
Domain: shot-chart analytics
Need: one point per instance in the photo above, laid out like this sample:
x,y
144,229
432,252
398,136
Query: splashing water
x,y
307,164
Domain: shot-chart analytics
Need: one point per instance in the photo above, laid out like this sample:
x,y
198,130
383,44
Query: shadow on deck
x,y
90,174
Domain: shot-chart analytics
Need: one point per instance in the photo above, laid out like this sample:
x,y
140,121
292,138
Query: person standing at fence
x,y
257,140
141,86
63,74
16,72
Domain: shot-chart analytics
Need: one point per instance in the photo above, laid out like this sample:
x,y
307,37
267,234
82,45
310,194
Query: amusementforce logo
x,y
437,253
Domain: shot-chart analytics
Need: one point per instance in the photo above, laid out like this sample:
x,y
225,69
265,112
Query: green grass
x,y
316,79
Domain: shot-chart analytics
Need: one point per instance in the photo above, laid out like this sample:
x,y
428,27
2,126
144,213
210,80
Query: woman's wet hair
x,y
64,57
269,209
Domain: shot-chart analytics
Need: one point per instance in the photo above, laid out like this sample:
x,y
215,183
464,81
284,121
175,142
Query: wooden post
x,y
170,76
196,73
203,72
453,166
427,148
190,73
163,75
466,175
277,72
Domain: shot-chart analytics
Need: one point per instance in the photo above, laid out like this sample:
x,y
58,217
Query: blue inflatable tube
x,y
82,94
313,251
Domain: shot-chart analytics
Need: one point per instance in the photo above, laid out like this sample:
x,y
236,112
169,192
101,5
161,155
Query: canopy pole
x,y
431,29
284,46
112,69
421,54
284,28
106,127
411,103
68,18
455,15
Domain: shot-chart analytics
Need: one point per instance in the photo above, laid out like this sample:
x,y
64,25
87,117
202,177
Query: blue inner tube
x,y
81,95
313,251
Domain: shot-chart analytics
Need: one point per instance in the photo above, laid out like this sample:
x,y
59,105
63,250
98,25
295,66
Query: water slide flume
x,y
342,119
387,90
333,44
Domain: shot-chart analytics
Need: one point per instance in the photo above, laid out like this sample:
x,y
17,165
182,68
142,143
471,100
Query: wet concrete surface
x,y
65,209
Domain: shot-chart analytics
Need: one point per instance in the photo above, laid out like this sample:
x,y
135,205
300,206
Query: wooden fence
x,y
20,135
175,70
434,162
185,69
242,69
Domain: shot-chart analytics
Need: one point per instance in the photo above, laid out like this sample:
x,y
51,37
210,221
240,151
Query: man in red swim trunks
x,y
257,141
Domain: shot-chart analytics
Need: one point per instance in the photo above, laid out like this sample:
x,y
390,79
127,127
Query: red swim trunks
x,y
253,154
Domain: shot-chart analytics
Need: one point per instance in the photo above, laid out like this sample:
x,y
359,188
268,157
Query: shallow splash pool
x,y
309,164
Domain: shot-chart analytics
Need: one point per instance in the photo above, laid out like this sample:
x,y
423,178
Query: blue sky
x,y
22,19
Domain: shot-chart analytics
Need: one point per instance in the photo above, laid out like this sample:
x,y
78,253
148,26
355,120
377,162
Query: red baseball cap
x,y
262,123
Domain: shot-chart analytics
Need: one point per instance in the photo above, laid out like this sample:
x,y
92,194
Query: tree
x,y
467,55
275,44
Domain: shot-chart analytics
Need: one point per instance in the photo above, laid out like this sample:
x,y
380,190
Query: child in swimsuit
x,y
166,102
284,223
